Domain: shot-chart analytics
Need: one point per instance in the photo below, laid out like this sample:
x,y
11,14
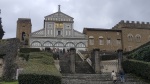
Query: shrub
x,y
142,54
38,79
139,68
24,56
28,50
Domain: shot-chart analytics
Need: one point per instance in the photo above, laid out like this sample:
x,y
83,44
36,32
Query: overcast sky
x,y
86,13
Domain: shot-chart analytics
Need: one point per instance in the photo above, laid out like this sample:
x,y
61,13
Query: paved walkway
x,y
57,64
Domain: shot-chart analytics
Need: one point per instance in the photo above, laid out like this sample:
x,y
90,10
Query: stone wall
x,y
9,48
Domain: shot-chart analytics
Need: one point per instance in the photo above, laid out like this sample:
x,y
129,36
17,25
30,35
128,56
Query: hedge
x,y
39,79
24,56
141,54
134,50
138,68
28,50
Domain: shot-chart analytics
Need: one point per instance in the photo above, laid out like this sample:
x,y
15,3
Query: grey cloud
x,y
86,13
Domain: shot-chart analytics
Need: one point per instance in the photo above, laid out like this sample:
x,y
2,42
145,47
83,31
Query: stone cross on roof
x,y
58,8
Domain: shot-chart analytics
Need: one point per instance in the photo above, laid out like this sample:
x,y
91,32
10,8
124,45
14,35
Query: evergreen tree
x,y
1,29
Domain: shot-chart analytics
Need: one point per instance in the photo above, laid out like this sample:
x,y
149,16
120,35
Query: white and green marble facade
x,y
58,32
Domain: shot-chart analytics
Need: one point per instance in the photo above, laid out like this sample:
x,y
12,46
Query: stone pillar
x,y
72,59
120,58
97,60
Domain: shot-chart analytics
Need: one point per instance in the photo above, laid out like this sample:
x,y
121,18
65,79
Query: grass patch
x,y
40,68
41,63
15,82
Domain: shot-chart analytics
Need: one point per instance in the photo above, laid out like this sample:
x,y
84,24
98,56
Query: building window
x,y
91,40
66,33
49,25
130,37
108,41
117,33
59,32
118,41
69,33
101,40
138,38
51,32
48,31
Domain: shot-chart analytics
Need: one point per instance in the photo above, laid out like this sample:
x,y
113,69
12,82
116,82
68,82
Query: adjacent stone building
x,y
134,34
104,39
58,33
125,35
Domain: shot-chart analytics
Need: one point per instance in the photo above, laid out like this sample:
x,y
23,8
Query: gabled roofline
x,y
58,12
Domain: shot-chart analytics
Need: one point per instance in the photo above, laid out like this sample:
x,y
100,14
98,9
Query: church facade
x,y
59,33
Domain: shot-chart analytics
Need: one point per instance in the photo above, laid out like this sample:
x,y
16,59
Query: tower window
x,y
23,36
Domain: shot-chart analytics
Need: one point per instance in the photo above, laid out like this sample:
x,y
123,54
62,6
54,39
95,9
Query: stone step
x,y
78,81
96,77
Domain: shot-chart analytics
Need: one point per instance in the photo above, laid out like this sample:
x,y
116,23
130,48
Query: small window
x,y
51,32
101,40
138,38
117,33
130,37
48,31
69,32
91,41
59,32
118,41
66,33
108,41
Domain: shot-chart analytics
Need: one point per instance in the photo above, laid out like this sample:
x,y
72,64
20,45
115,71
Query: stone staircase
x,y
64,63
81,66
97,79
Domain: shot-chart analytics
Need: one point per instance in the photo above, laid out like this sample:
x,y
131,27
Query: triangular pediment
x,y
38,33
59,16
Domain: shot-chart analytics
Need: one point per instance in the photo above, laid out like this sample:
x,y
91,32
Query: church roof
x,y
58,13
59,16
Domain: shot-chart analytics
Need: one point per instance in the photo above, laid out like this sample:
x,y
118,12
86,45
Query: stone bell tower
x,y
23,30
